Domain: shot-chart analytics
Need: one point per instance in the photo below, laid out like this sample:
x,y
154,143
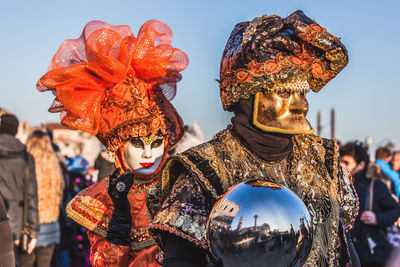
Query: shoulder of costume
x,y
327,151
92,208
197,162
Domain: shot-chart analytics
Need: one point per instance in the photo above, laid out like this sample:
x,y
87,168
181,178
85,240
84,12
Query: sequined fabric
x,y
270,51
207,171
184,213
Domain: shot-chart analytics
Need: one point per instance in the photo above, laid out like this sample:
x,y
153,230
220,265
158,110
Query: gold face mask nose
x,y
299,103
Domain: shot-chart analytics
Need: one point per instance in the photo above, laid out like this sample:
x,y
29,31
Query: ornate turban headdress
x,y
117,86
271,51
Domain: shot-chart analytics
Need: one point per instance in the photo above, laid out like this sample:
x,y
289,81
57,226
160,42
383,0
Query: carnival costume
x,y
267,63
117,86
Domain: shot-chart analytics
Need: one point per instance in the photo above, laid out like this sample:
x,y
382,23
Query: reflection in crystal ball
x,y
260,223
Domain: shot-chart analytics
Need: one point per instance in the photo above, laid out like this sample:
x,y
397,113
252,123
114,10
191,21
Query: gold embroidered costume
x,y
315,176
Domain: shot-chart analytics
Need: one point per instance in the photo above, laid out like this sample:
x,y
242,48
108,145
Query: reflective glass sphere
x,y
260,223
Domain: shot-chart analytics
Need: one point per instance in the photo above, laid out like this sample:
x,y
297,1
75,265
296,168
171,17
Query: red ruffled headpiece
x,y
115,86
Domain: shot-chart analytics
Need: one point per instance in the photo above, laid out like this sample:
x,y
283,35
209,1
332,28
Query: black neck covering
x,y
267,146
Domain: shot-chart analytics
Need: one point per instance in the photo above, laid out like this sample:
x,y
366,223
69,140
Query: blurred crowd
x,y
375,232
37,181
43,168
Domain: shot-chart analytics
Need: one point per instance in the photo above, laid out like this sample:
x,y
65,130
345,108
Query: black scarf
x,y
267,146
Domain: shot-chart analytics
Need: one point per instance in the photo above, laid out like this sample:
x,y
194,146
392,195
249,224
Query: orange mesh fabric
x,y
113,85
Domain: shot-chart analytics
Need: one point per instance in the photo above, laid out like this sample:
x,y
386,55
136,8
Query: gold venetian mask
x,y
283,110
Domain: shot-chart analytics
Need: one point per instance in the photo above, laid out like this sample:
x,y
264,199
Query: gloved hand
x,y
120,223
118,188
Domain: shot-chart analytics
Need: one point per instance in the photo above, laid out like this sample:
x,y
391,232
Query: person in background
x,y
395,163
50,192
7,257
15,162
382,158
351,157
105,164
76,163
74,245
393,232
377,210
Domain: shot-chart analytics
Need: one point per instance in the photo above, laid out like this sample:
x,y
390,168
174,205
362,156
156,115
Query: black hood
x,y
10,146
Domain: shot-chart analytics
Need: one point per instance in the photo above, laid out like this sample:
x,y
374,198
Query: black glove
x,y
118,188
120,223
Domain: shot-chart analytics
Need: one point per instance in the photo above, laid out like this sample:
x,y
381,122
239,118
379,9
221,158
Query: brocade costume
x,y
116,86
193,180
267,67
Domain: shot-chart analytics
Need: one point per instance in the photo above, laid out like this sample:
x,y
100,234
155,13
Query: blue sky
x,y
365,95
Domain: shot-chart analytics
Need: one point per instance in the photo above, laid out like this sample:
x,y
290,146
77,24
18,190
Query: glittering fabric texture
x,y
185,212
192,181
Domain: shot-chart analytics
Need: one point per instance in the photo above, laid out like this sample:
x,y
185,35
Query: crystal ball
x,y
259,223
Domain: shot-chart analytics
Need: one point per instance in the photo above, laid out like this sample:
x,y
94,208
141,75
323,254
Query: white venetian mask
x,y
144,154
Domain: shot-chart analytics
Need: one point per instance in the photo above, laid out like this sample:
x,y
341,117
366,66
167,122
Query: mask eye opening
x,y
157,143
283,93
137,143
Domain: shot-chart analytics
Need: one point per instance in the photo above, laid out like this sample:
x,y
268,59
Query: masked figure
x,y
268,66
116,86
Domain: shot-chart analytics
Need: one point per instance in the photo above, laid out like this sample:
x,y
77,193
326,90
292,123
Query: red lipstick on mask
x,y
146,164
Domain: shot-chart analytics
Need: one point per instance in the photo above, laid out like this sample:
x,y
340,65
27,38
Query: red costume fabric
x,y
92,208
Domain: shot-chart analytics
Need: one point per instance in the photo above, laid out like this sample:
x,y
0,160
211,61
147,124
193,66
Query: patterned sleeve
x,y
184,212
348,198
104,253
